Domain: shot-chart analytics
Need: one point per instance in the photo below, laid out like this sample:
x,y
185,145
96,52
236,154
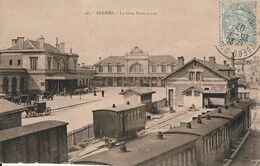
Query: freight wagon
x,y
119,121
43,142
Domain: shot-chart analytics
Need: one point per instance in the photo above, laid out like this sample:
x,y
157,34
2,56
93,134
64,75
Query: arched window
x,y
136,68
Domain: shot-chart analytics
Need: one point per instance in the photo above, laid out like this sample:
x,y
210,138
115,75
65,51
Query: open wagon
x,y
38,109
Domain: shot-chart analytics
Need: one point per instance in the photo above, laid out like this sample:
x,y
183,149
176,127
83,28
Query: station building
x,y
136,68
202,83
35,65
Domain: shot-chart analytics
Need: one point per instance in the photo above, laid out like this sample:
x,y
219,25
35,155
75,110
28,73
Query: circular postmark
x,y
238,30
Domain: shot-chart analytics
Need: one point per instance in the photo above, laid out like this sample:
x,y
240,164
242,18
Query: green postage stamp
x,y
238,28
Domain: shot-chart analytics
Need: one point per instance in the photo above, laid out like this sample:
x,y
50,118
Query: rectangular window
x,y
191,76
49,63
58,65
19,62
10,62
34,63
75,64
163,69
119,69
198,76
154,69
109,69
100,69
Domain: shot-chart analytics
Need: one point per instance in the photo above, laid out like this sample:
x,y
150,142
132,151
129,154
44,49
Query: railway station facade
x,y
136,68
38,66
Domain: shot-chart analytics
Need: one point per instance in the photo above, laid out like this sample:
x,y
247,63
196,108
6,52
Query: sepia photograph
x,y
130,83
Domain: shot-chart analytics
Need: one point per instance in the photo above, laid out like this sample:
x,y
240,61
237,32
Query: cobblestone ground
x,y
81,115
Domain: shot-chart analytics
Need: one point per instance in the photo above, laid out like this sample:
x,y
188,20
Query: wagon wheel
x,y
48,111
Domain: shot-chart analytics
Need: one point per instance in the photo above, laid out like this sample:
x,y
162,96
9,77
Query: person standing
x,y
103,93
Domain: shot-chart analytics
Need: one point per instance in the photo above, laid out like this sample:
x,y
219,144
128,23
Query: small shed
x,y
10,114
193,95
119,121
138,95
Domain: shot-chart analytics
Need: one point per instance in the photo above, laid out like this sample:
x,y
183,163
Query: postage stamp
x,y
238,23
238,29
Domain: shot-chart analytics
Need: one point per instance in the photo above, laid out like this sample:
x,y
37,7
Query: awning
x,y
63,77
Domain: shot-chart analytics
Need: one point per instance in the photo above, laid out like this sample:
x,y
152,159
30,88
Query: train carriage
x,y
119,121
43,142
206,140
152,150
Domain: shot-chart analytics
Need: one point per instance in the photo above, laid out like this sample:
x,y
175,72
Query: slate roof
x,y
152,59
218,69
139,150
34,45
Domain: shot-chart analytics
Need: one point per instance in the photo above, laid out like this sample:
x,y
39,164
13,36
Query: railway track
x,y
172,121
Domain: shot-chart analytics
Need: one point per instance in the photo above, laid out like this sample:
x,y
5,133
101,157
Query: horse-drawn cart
x,y
38,109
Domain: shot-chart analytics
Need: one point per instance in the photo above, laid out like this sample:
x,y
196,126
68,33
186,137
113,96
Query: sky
x,y
175,27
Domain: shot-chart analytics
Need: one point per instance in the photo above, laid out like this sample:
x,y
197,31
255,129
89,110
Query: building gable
x,y
194,65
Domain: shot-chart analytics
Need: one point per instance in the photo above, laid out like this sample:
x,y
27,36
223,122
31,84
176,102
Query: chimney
x,y
41,42
99,58
20,42
83,64
226,106
14,42
219,110
233,60
212,61
225,62
180,61
62,47
114,106
70,50
128,103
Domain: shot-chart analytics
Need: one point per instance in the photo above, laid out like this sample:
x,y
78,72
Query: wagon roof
x,y
20,131
8,107
138,91
120,107
203,129
231,112
139,150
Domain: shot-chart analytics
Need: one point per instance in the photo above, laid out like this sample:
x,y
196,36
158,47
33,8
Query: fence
x,y
243,95
80,135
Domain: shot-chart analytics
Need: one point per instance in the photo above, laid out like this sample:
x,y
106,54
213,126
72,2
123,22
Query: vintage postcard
x,y
130,83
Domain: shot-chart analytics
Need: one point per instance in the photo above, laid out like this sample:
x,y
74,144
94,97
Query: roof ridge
x,y
29,41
